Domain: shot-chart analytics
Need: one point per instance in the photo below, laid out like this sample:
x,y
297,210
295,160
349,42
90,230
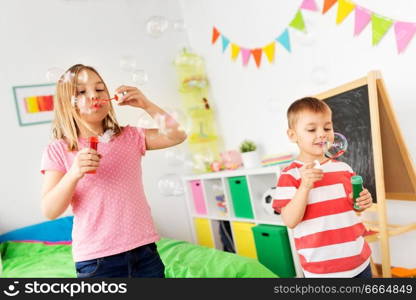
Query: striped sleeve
x,y
285,190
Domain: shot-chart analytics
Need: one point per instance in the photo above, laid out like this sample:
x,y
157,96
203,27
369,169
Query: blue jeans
x,y
366,273
143,261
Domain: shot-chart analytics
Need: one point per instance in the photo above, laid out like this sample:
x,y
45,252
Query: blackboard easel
x,y
362,108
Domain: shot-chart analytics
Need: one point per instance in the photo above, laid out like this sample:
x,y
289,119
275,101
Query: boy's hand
x,y
310,175
365,200
133,97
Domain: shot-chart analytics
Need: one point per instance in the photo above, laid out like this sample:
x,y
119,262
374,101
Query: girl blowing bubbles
x,y
113,232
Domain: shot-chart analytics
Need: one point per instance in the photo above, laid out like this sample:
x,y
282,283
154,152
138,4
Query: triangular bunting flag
x,y
327,5
345,7
225,43
284,40
404,33
380,27
362,18
309,5
257,56
245,53
269,51
298,22
215,35
235,50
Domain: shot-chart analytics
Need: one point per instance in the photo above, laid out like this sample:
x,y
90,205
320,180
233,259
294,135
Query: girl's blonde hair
x,y
67,117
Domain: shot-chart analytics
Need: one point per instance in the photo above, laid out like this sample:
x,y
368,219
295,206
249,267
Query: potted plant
x,y
249,154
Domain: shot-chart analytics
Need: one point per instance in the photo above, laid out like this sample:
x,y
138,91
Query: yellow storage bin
x,y
244,239
203,232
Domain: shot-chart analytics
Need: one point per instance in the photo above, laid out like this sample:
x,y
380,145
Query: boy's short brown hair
x,y
308,103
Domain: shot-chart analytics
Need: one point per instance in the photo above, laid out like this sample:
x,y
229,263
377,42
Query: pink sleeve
x,y
138,135
142,140
52,159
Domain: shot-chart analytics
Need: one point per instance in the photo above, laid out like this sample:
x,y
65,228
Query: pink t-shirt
x,y
111,213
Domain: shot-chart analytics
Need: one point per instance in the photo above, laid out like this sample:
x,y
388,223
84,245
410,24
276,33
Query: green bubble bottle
x,y
357,187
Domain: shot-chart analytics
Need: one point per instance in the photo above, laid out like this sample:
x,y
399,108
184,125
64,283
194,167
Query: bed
x,y
44,250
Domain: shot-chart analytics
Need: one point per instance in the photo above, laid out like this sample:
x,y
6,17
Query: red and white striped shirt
x,y
329,239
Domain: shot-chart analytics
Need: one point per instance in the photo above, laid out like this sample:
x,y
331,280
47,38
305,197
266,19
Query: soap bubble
x,y
201,161
82,77
145,120
68,76
164,122
170,185
175,157
82,103
156,26
53,74
139,77
337,148
178,25
319,75
128,63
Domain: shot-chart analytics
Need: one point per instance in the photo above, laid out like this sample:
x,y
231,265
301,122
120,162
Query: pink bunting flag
x,y
309,5
362,18
404,33
245,53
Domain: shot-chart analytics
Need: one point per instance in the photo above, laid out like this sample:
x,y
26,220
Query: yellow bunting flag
x,y
345,7
269,51
235,50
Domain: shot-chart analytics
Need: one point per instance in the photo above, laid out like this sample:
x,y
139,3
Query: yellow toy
x,y
194,90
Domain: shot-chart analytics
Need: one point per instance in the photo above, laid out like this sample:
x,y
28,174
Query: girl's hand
x,y
310,175
133,97
86,160
365,200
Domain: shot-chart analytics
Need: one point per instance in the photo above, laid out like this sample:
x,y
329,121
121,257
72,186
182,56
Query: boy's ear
x,y
292,135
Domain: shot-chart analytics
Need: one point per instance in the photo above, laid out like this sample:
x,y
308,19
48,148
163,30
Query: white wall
x,y
38,35
251,102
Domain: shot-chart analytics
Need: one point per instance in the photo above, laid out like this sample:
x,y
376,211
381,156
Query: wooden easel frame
x,y
377,95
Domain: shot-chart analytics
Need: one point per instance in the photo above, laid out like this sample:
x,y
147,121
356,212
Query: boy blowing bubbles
x,y
317,203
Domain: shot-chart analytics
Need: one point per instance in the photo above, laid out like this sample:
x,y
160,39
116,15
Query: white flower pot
x,y
251,159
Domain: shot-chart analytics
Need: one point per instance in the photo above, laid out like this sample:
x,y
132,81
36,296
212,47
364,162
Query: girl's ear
x,y
292,135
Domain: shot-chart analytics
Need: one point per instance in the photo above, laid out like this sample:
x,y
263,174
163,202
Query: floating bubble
x,y
139,77
175,157
128,63
82,76
178,25
145,120
68,76
54,74
83,104
319,75
165,122
185,122
156,26
337,147
202,161
170,185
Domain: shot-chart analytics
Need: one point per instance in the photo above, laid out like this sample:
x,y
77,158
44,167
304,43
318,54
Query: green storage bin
x,y
240,197
273,249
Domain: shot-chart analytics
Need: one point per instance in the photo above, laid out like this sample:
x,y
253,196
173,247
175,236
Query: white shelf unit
x,y
210,188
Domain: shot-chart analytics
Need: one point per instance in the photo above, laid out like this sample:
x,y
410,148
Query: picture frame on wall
x,y
34,103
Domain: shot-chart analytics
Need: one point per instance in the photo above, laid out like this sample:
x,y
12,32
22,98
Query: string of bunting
x,y
404,31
